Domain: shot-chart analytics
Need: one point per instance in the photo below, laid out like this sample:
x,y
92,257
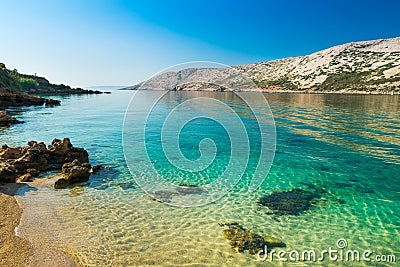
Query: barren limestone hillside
x,y
360,67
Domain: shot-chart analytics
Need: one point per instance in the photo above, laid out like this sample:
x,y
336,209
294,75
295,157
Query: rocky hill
x,y
32,84
359,67
45,87
15,90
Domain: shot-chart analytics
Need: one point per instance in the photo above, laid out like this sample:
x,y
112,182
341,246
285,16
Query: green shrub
x,y
28,83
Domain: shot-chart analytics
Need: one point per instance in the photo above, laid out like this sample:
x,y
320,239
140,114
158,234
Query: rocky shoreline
x,y
22,164
6,120
9,98
274,91
18,167
17,89
340,92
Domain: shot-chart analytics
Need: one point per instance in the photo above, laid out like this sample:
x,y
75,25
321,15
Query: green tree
x,y
28,83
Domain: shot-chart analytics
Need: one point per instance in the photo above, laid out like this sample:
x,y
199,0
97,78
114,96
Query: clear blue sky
x,y
97,42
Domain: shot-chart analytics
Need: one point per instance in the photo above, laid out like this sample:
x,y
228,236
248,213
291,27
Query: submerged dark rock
x,y
241,239
189,189
163,195
181,190
291,202
341,201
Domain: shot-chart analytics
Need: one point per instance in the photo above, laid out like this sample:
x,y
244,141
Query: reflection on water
x,y
368,104
370,124
347,146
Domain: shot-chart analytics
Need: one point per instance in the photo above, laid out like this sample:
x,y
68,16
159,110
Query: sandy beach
x,y
14,251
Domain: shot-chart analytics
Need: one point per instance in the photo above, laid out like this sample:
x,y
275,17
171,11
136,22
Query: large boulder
x,y
73,172
77,153
62,151
78,174
35,157
12,152
8,173
57,152
59,148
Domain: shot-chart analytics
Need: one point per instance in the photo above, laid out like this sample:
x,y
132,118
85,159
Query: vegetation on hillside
x,y
27,84
12,80
8,81
369,67
32,84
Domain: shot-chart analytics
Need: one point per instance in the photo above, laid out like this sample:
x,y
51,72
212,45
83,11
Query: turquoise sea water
x,y
346,145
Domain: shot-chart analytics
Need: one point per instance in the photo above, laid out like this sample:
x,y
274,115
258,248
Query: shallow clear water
x,y
347,145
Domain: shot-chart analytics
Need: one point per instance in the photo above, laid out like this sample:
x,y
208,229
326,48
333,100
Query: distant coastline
x,y
369,67
341,92
17,89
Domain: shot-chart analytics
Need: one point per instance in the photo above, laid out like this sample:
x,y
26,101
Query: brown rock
x,y
60,148
61,183
76,153
74,172
6,119
25,162
24,178
66,167
11,152
11,98
8,173
34,158
33,172
96,168
78,174
32,143
57,152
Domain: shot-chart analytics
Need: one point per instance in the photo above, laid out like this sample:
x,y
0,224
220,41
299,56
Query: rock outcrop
x,y
73,172
20,164
6,119
9,98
